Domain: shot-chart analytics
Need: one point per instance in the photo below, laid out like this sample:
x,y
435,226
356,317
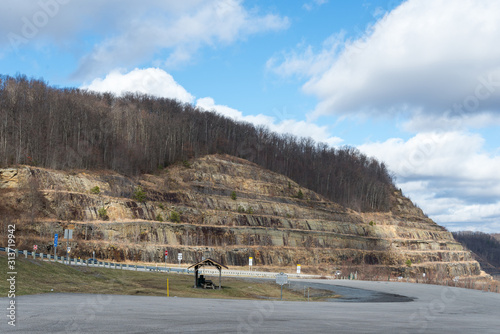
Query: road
x,y
428,309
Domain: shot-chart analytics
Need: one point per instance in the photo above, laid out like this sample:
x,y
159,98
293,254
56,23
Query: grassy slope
x,y
35,276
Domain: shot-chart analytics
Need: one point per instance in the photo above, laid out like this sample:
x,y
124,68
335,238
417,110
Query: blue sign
x,y
55,240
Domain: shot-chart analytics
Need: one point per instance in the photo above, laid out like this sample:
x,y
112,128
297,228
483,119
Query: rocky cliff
x,y
225,208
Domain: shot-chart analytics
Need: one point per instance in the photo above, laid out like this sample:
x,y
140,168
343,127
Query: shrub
x,y
96,190
175,217
161,206
300,195
139,194
408,263
250,210
241,209
372,223
159,217
186,164
103,213
233,196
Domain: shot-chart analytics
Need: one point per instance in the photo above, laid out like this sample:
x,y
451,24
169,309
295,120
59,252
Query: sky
x,y
414,83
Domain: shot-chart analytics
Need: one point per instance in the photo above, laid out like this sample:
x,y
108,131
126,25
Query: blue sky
x,y
414,83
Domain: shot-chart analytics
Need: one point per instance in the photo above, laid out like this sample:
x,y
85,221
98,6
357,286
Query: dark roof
x,y
208,262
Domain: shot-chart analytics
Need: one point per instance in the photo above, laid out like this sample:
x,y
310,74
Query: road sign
x,y
68,234
55,240
250,260
35,247
166,253
69,249
281,279
179,256
298,269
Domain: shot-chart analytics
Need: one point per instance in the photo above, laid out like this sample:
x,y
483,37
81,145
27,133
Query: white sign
x,y
179,256
298,269
69,249
68,234
281,279
250,260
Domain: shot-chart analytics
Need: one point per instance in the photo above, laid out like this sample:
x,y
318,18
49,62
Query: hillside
x,y
486,249
226,208
137,134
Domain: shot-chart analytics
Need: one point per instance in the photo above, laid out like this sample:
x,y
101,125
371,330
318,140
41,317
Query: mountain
x,y
226,208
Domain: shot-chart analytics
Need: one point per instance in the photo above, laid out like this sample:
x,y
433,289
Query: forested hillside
x,y
70,128
483,244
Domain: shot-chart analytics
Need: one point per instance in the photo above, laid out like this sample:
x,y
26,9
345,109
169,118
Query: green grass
x,y
35,277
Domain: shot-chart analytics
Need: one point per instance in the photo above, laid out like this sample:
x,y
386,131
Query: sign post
x,y
55,247
68,235
281,279
250,260
298,269
179,257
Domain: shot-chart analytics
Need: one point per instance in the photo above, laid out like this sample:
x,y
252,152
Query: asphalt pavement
x,y
425,309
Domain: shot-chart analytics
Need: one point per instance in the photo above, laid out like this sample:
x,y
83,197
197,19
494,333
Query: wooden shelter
x,y
206,262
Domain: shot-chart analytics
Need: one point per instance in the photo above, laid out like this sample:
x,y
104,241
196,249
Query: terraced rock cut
x,y
228,209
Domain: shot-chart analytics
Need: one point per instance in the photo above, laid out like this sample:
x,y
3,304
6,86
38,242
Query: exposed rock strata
x,y
266,220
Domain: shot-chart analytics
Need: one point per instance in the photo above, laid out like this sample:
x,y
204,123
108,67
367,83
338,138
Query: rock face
x,y
228,209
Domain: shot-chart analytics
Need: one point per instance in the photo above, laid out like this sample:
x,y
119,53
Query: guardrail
x,y
158,268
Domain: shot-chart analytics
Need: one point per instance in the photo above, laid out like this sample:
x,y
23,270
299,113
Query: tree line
x,y
66,128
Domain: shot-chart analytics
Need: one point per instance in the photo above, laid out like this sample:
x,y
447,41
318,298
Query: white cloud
x,y
449,174
152,81
180,33
425,55
280,125
127,31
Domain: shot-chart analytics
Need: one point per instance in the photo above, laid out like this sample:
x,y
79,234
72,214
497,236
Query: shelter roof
x,y
208,262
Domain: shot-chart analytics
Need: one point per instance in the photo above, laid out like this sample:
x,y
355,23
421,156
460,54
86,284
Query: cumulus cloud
x,y
423,56
128,31
178,33
276,124
152,81
449,174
